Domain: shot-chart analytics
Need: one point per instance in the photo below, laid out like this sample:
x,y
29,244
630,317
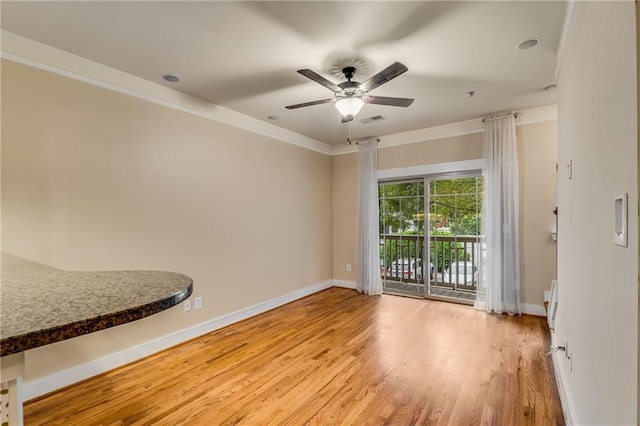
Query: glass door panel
x,y
454,227
402,239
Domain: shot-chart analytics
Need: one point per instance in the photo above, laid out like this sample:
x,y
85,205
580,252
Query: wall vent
x,y
371,119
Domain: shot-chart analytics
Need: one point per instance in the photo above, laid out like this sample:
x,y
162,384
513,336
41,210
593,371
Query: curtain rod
x,y
515,115
357,141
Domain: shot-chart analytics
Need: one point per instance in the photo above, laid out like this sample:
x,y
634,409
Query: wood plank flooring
x,y
336,357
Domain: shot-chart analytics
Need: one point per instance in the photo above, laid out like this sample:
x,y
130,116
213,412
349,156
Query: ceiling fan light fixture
x,y
349,106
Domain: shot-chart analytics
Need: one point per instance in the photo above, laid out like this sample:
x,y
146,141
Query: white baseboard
x,y
38,387
567,407
536,310
526,308
344,284
41,386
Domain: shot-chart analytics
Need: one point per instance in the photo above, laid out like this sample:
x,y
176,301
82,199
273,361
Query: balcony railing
x,y
453,260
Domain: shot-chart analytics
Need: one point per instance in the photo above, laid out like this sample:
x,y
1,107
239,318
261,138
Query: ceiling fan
x,y
350,96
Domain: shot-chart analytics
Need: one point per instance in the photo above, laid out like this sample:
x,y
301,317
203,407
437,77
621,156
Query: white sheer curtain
x,y
500,270
368,241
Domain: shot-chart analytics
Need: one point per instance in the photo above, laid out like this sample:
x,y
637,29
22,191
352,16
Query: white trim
x,y
568,409
525,308
566,28
35,388
525,117
431,169
37,55
528,309
417,136
344,284
537,310
41,386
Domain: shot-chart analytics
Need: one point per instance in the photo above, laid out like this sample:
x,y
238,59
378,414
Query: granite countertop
x,y
40,305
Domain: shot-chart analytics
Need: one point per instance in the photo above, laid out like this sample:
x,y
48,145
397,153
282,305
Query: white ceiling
x,y
244,55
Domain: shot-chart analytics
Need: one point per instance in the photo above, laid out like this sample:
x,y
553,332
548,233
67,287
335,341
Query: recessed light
x,y
171,78
528,44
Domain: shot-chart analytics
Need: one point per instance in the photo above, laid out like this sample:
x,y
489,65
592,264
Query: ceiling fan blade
x,y
347,119
306,104
389,73
383,100
312,75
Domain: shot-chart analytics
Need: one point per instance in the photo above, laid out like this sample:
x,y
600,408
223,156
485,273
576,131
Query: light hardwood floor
x,y
336,357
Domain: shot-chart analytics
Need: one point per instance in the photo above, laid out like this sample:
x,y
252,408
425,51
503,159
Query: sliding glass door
x,y
441,259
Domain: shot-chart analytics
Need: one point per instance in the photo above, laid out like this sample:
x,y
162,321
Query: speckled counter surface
x,y
40,305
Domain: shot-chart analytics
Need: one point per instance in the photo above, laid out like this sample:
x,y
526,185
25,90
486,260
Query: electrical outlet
x,y
198,303
348,267
187,305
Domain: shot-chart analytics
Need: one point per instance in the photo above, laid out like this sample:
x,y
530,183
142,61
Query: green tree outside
x,y
453,211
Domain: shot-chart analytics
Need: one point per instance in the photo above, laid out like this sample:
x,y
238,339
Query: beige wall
x,y
457,148
344,187
537,159
94,179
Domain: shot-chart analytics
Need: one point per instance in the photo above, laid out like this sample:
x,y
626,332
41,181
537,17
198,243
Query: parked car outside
x,y
466,273
407,268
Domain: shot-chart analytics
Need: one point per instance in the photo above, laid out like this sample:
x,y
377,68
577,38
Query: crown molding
x,y
566,28
526,116
38,55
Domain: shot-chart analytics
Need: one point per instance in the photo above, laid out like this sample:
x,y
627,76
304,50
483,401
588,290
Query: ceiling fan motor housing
x,y
349,87
349,72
